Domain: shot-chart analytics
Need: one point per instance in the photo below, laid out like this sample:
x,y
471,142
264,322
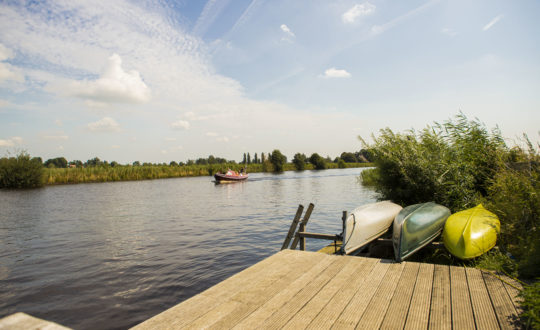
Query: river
x,y
111,255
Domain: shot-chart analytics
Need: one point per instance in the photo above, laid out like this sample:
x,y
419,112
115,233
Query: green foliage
x,y
369,177
317,161
278,160
59,162
348,157
341,163
299,161
21,172
497,261
531,305
448,163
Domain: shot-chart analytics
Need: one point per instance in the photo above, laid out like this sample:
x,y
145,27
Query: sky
x,y
157,81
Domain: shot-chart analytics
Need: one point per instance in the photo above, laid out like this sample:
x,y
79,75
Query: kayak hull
x,y
366,223
416,226
471,233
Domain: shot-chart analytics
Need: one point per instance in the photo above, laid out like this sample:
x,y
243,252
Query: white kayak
x,y
366,223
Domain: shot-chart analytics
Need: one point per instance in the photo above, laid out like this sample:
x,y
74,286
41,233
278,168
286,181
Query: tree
x,y
245,159
248,158
341,163
263,158
348,157
255,160
21,172
59,162
299,161
317,161
114,163
94,162
278,160
173,163
212,160
136,163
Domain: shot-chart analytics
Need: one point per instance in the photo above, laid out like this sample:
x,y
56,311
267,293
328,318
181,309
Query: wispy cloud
x,y
7,71
336,73
11,142
289,35
210,12
180,125
378,29
449,32
357,11
492,22
106,124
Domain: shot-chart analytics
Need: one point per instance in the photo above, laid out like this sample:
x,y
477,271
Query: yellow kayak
x,y
471,233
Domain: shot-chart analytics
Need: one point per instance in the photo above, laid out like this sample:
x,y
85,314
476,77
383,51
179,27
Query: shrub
x,y
278,160
317,161
299,161
531,305
21,172
341,163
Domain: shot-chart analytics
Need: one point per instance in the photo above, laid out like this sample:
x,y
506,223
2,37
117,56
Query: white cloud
x,y
59,137
106,124
287,31
449,32
13,141
492,22
114,85
351,15
211,134
336,73
7,71
180,125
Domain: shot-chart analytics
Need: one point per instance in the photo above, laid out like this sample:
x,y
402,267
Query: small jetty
x,y
307,290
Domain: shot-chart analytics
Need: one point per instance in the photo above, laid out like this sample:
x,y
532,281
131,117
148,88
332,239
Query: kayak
x,y
366,223
416,226
471,233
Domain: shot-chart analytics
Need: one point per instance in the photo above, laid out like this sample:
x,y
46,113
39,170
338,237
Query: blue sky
x,y
159,81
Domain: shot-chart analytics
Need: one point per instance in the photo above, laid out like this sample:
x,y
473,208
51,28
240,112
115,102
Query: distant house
x,y
72,165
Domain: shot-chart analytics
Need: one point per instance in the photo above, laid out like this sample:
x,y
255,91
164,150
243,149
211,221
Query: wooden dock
x,y
299,290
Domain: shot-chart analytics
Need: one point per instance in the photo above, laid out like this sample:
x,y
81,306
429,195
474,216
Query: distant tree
x,y
278,160
93,162
255,160
348,157
181,164
21,171
76,163
190,162
364,156
136,163
341,163
317,161
147,164
248,158
201,161
244,159
299,161
212,159
59,162
114,163
173,163
263,158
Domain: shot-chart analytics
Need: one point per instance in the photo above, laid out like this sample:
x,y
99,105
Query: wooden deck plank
x,y
326,318
252,299
484,315
513,288
196,306
352,313
462,314
23,321
310,311
440,314
292,306
396,314
374,315
255,319
502,303
418,315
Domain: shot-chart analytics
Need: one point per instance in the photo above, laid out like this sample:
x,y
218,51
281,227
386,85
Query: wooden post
x,y
292,229
302,238
304,222
344,221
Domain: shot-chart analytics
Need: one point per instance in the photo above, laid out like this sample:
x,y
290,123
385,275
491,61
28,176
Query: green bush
x,y
531,305
21,172
278,160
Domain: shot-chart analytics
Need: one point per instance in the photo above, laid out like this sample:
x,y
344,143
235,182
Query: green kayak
x,y
416,226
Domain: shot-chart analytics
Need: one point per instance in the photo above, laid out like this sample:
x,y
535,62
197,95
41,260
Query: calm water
x,y
111,255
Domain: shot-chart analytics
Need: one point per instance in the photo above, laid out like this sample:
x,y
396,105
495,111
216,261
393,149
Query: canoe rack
x,y
301,235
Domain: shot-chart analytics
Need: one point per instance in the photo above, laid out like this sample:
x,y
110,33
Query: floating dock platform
x,y
309,290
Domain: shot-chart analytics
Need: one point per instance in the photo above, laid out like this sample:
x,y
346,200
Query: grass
x,y
148,172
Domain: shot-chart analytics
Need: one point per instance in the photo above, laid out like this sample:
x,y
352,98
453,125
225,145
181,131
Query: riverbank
x,y
93,174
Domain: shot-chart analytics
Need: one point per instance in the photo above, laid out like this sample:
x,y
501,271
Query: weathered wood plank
x,y
303,225
309,290
418,315
513,288
250,300
198,305
484,315
22,321
396,314
502,303
292,228
462,314
374,315
440,314
352,313
326,317
255,319
306,315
